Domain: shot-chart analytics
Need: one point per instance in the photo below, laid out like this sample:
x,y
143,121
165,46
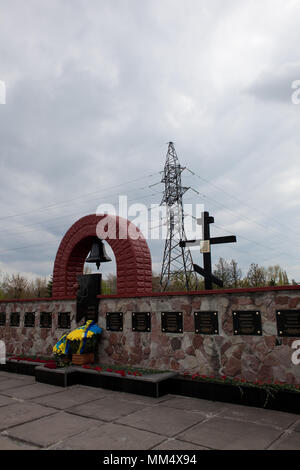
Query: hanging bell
x,y
98,254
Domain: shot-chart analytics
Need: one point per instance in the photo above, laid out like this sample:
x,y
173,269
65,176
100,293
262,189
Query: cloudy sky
x,y
96,88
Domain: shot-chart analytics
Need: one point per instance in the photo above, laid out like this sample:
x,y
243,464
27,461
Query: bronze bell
x,y
98,254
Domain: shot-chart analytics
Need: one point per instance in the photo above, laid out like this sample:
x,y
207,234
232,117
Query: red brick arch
x,y
133,258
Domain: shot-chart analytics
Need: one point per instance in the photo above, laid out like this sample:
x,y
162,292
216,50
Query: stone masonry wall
x,y
249,357
37,340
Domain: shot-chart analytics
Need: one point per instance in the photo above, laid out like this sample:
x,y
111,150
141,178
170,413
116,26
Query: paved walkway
x,y
41,416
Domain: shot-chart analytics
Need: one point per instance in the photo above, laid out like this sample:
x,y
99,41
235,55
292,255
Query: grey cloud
x,y
276,84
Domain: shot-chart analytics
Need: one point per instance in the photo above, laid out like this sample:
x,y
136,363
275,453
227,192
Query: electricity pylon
x,y
177,261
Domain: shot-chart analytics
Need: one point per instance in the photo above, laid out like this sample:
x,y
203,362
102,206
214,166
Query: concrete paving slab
x,y
11,384
71,397
12,375
6,401
8,444
228,434
2,378
206,407
288,441
175,444
113,437
137,398
276,419
21,412
50,430
107,409
162,420
28,391
297,427
31,416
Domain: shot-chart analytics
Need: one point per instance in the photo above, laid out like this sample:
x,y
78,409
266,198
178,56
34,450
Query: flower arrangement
x,y
82,340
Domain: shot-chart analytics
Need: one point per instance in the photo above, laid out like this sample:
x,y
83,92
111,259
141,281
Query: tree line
x,y
17,286
231,275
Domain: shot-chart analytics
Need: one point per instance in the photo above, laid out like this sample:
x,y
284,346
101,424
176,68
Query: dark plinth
x,y
288,323
206,323
64,320
2,319
45,320
29,320
247,322
114,321
15,319
87,302
141,321
171,322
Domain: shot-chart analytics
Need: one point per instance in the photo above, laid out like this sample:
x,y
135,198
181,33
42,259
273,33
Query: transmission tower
x,y
177,261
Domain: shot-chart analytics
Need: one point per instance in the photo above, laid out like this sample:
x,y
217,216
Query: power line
x,y
52,241
13,230
242,202
77,197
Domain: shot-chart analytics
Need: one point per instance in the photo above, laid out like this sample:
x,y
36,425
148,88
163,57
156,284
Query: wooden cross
x,y
205,244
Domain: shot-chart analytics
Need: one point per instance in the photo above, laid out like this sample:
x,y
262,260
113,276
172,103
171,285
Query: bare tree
x,y
222,271
275,275
235,274
14,286
256,276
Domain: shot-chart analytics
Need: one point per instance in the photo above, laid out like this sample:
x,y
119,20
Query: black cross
x,y
206,272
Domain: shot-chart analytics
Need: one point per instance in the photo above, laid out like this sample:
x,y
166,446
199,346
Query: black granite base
x,y
20,367
64,377
283,400
157,385
154,385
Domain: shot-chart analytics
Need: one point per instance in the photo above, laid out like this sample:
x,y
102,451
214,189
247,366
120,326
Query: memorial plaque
x,y
64,320
15,319
45,320
141,321
171,322
206,323
114,321
247,323
288,323
29,320
2,319
87,300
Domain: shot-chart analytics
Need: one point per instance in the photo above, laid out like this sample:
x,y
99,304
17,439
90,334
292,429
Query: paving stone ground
x,y
39,416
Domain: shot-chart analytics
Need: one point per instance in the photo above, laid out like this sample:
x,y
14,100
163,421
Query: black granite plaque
x,y
64,320
45,320
29,320
141,321
114,321
87,300
15,319
288,323
171,322
2,319
206,323
247,323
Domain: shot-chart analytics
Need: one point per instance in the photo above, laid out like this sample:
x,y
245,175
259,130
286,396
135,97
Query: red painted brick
x,y
133,259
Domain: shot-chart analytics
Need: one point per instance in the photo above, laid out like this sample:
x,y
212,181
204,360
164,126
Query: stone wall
x,y
249,357
37,340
